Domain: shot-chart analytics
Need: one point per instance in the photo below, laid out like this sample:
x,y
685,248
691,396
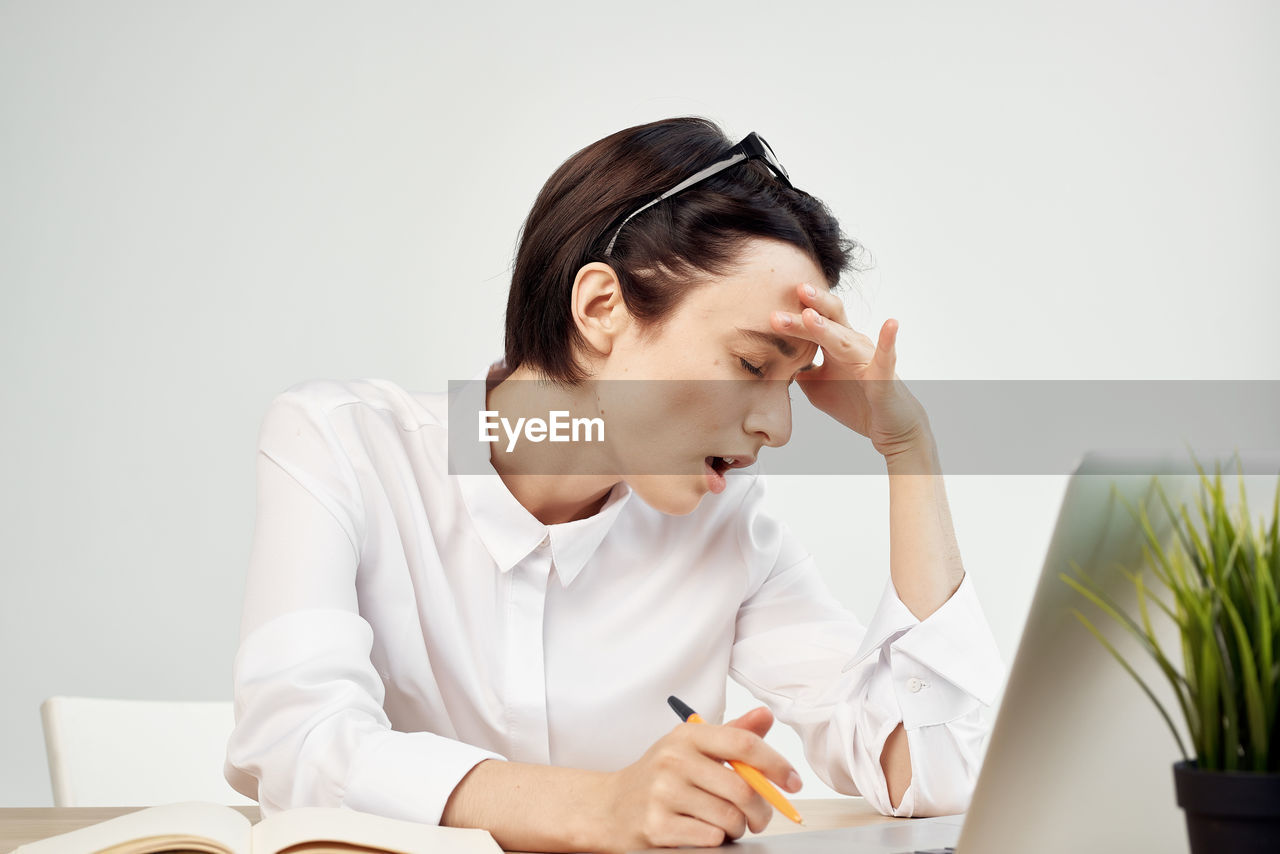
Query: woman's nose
x,y
770,414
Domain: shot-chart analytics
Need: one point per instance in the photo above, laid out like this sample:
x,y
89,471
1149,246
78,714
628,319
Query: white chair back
x,y
105,752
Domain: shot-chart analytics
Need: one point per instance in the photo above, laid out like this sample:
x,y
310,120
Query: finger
x,y
725,742
684,830
787,323
798,325
837,341
821,298
889,334
888,343
727,784
758,720
696,802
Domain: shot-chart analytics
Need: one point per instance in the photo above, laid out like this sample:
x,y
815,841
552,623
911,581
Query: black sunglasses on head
x,y
752,147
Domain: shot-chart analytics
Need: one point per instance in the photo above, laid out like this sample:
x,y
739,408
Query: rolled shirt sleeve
x,y
310,726
845,687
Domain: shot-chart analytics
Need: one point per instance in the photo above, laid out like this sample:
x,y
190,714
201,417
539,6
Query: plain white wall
x,y
204,203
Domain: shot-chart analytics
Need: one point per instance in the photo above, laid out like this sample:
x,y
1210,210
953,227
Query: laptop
x,y
1079,760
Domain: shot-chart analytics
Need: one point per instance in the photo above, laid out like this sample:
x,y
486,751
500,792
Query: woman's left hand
x,y
882,409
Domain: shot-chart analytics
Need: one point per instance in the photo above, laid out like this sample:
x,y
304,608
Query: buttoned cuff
x,y
410,775
944,666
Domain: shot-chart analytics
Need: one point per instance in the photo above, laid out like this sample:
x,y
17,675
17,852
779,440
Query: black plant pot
x,y
1229,811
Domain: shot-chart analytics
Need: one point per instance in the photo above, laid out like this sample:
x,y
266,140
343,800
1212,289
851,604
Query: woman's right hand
x,y
681,792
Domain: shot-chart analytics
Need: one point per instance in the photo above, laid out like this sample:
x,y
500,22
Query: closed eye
x,y
758,371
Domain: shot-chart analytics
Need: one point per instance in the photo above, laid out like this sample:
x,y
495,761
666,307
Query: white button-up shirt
x,y
402,624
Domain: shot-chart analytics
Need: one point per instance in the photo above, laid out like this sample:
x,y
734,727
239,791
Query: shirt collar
x,y
507,529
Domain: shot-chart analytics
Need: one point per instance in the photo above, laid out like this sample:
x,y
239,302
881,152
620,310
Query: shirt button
x,y
545,540
914,685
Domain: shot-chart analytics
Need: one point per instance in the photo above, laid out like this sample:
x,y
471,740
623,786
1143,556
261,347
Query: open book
x,y
197,826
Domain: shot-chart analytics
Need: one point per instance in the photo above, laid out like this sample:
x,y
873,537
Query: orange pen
x,y
753,777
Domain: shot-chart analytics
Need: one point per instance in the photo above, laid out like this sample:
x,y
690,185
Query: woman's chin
x,y
674,495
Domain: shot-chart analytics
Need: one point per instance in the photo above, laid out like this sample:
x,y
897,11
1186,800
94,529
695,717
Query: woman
x,y
493,647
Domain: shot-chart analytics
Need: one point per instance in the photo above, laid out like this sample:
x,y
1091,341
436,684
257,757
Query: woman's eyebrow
x,y
783,346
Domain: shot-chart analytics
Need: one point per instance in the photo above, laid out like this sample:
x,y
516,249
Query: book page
x,y
166,844
328,848
364,831
190,826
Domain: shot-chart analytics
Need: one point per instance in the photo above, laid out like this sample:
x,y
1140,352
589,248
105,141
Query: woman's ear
x,y
598,308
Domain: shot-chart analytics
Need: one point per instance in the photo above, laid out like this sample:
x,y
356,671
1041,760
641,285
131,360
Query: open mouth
x,y
720,465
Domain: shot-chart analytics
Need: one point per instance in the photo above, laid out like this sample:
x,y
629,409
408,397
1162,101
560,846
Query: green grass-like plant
x,y
1221,575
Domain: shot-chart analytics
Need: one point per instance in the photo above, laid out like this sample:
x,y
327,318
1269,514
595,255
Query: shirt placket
x,y
526,665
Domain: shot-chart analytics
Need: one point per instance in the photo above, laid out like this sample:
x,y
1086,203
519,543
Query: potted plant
x,y
1218,582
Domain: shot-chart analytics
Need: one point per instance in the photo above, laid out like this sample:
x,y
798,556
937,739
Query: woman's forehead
x,y
774,268
738,312
765,282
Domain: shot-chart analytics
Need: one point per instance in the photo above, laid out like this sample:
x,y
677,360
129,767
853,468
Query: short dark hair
x,y
662,252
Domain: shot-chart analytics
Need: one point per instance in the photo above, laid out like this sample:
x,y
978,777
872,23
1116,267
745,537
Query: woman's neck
x,y
555,481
